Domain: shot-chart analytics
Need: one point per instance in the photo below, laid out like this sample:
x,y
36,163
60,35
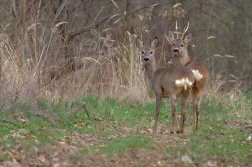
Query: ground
x,y
66,153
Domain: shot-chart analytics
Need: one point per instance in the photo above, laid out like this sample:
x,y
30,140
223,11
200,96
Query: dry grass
x,y
15,73
107,68
228,92
34,66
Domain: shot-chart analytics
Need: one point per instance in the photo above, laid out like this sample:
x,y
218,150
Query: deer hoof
x,y
179,131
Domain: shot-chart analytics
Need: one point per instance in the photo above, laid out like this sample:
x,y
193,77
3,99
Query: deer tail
x,y
184,82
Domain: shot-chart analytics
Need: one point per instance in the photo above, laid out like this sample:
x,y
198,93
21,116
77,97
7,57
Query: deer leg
x,y
174,116
194,101
197,115
158,102
197,96
184,112
197,106
194,115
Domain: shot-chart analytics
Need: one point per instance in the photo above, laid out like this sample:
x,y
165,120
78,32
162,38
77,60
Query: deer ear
x,y
170,37
188,38
154,43
139,43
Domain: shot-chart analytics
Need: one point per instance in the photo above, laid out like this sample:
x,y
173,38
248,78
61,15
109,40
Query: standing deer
x,y
199,69
167,83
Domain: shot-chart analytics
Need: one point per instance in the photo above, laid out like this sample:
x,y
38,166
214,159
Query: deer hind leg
x,y
158,102
194,105
197,96
174,116
184,109
197,106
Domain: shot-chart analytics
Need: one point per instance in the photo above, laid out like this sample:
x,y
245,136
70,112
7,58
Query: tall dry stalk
x,y
105,71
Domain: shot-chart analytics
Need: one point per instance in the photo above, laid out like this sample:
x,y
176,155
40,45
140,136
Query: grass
x,y
120,127
221,133
121,144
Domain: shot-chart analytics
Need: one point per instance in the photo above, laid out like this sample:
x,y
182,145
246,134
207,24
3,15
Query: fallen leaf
x,y
56,165
248,139
186,159
211,37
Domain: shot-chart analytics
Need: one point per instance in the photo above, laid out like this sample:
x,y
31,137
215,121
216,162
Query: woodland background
x,y
68,48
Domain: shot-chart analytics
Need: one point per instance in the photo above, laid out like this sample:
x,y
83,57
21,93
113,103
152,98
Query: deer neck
x,y
150,68
183,59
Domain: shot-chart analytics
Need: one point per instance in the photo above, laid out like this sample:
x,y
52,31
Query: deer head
x,y
147,52
179,44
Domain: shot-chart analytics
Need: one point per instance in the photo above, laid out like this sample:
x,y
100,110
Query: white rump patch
x,y
183,82
197,74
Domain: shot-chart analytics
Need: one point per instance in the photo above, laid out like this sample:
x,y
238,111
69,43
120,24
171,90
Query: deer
x,y
167,82
180,57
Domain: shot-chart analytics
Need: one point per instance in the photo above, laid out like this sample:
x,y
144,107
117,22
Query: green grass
x,y
121,144
222,134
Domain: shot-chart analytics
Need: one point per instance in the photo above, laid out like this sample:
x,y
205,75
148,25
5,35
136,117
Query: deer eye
x,y
181,45
142,52
150,52
173,44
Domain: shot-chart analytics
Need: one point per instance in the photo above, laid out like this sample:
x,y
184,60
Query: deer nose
x,y
146,59
175,50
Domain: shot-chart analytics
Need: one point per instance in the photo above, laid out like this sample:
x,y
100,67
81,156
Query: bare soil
x,y
67,152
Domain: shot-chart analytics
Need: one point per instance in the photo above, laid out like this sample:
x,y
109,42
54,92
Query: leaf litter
x,y
68,151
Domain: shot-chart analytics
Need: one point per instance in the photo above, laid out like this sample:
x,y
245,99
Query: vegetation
x,y
60,61
118,129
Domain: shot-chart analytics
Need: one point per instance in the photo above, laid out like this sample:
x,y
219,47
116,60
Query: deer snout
x,y
146,59
175,50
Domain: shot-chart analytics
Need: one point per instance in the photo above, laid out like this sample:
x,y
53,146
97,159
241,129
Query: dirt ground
x,y
66,153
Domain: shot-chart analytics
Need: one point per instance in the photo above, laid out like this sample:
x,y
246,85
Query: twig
x,y
76,110
170,16
248,89
2,125
75,32
18,92
162,48
4,120
84,106
248,126
38,66
59,10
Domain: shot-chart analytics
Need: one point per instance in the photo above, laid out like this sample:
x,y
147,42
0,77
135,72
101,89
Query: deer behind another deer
x,y
199,69
172,83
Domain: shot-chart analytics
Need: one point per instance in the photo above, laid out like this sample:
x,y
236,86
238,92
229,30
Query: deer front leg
x,y
158,102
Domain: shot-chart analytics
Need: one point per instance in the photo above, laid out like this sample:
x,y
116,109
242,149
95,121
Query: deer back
x,y
172,81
